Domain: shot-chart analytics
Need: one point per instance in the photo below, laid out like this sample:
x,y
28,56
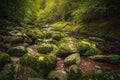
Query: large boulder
x,y
88,48
72,59
4,58
17,51
45,48
13,39
114,59
67,46
57,35
41,63
34,34
57,75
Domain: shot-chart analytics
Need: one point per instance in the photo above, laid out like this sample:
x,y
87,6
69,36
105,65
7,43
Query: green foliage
x,y
45,48
4,58
19,10
98,10
17,51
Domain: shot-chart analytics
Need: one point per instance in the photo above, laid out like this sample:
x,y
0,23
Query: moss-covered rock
x,y
67,46
15,33
13,39
47,34
74,72
34,34
88,48
114,59
58,35
41,63
57,75
9,72
72,59
45,48
27,40
47,41
17,51
4,47
4,58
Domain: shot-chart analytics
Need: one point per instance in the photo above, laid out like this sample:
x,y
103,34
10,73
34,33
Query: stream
x,y
109,47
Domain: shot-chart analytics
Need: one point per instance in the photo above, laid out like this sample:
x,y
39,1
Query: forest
x,y
59,39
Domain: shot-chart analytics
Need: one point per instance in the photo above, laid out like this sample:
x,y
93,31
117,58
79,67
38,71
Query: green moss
x,y
74,72
67,26
4,59
41,63
4,47
17,51
114,59
45,48
72,59
58,35
88,48
50,41
13,39
47,34
67,46
112,75
34,34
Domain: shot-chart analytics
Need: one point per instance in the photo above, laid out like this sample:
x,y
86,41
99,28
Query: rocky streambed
x,y
47,54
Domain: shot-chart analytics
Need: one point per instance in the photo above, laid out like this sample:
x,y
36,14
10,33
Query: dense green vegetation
x,y
83,16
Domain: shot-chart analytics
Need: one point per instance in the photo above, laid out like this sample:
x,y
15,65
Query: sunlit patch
x,y
41,58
